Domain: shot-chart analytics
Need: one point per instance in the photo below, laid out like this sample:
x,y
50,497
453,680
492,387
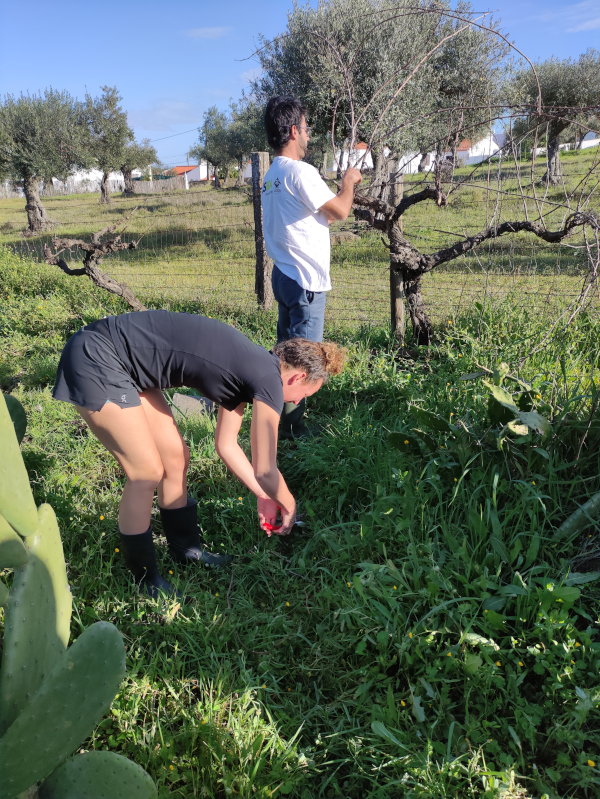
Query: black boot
x,y
183,536
140,558
291,424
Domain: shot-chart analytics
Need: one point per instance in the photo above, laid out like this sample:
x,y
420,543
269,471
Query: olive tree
x,y
213,144
245,133
108,134
41,137
569,90
136,156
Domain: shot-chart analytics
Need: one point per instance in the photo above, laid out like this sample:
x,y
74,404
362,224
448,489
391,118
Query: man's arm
x,y
340,206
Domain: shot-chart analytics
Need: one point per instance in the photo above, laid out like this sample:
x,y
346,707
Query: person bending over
x,y
114,370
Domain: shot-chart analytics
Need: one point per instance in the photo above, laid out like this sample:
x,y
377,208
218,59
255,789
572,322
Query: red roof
x,y
361,146
181,170
465,144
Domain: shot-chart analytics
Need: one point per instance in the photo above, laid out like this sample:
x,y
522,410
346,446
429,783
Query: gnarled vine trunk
x,y
37,219
406,274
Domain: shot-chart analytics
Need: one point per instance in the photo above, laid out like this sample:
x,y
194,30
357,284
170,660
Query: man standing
x,y
298,207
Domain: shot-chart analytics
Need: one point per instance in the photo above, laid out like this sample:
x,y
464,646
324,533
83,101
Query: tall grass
x,y
423,635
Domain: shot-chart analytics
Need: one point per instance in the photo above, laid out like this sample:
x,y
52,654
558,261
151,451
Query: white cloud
x,y
207,33
583,16
589,25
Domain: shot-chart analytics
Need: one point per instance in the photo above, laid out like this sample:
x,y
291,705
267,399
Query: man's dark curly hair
x,y
280,114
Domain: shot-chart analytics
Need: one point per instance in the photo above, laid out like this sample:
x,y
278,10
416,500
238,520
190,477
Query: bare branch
x,y
94,252
537,228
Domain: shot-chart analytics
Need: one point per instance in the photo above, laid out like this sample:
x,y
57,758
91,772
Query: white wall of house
x,y
359,158
478,151
89,180
591,139
199,172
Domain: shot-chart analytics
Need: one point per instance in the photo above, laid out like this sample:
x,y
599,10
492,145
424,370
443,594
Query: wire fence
x,y
199,246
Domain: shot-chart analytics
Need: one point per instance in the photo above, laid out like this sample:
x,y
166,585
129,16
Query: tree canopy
x,y
400,77
41,137
136,156
230,137
213,143
570,100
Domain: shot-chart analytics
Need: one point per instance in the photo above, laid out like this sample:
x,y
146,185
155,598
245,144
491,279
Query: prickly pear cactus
x,y
51,696
98,775
17,414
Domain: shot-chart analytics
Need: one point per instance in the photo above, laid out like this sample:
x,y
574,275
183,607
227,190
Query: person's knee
x,y
148,477
177,461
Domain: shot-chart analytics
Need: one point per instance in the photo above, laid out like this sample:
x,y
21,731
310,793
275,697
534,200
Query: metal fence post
x,y
264,265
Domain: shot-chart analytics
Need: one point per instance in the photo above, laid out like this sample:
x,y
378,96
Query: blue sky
x,y
173,60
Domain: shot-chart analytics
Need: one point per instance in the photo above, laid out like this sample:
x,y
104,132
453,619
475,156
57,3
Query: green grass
x,y
199,246
424,635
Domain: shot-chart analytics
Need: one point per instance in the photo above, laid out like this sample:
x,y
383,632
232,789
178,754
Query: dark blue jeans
x,y
301,312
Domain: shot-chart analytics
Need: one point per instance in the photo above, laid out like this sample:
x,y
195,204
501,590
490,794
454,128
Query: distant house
x,y
467,152
474,152
194,173
591,139
359,156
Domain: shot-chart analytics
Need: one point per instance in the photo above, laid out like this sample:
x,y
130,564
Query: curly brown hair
x,y
319,359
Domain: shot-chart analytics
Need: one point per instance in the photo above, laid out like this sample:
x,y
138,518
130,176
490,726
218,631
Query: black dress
x,y
116,358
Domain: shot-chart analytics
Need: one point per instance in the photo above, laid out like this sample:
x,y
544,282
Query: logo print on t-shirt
x,y
267,186
123,397
277,183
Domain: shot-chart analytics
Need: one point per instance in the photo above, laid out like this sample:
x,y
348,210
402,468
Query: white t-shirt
x,y
296,233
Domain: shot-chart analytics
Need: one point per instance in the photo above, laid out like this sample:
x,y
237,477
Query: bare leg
x,y
172,449
127,435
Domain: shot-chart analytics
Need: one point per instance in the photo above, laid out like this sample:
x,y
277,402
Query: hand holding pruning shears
x,y
275,519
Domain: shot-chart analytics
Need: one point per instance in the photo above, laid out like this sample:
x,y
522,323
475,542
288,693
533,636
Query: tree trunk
x,y
103,281
104,190
405,287
239,183
380,169
323,163
421,325
37,218
553,171
128,178
424,161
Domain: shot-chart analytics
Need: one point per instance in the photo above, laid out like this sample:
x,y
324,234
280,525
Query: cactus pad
x,y
64,710
16,501
12,552
98,775
36,629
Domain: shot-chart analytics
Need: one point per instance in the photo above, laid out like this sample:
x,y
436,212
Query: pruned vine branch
x,y
576,220
94,251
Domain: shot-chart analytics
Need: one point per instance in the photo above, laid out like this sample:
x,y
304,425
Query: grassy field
x,y
427,633
203,241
